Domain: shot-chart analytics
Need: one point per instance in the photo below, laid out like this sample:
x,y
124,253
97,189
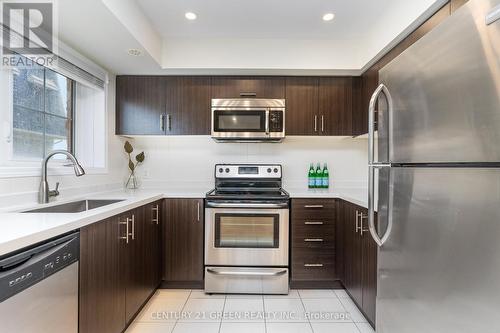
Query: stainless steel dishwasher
x,y
39,287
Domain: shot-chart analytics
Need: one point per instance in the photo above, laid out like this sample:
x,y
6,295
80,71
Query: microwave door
x,y
241,123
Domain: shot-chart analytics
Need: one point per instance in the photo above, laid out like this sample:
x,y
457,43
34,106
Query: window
x,y
42,106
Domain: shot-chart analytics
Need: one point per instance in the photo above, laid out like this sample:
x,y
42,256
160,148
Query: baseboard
x,y
327,284
182,285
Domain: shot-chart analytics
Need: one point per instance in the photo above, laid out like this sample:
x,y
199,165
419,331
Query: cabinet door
x,y
187,105
139,105
260,87
302,106
183,242
102,293
152,221
335,106
137,287
353,258
369,275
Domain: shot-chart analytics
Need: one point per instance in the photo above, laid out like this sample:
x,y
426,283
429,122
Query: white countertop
x,y
20,230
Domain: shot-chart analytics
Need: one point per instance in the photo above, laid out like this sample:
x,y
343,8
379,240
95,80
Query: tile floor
x,y
302,311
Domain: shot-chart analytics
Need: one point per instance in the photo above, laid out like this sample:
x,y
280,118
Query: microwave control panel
x,y
276,121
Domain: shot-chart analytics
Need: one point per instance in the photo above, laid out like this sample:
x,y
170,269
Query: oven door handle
x,y
251,273
247,205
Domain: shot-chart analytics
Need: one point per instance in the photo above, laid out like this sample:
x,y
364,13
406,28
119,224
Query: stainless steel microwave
x,y
248,119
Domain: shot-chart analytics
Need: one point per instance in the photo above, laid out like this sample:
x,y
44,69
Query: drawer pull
x,y
313,265
313,240
313,223
313,206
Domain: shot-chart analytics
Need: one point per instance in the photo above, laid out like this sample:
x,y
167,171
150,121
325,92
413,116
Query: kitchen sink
x,y
74,206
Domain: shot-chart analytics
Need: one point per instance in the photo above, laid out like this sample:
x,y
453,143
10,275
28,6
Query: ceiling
x,y
238,36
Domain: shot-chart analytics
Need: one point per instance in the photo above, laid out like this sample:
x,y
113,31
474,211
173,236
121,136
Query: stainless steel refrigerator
x,y
435,179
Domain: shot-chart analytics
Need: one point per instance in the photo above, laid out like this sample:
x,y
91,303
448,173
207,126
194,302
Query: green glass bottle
x,y
311,177
318,180
326,177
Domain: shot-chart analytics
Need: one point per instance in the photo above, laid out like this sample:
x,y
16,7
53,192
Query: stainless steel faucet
x,y
45,193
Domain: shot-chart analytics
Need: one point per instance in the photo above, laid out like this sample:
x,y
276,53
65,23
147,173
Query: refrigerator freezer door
x,y
439,270
446,91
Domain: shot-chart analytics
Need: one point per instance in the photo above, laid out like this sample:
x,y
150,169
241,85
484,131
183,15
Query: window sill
x,y
18,172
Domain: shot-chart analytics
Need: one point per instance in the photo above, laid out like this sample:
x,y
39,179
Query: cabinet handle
x,y
313,265
313,206
133,227
313,223
126,230
315,123
361,218
322,123
198,211
357,221
248,94
169,122
162,122
157,210
313,240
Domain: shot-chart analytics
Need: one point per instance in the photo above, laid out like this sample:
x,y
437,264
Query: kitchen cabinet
x,y
153,225
162,105
119,269
183,243
301,105
360,259
335,106
102,293
248,86
313,235
140,105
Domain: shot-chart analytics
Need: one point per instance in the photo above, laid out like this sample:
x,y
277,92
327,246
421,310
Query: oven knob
x,y
227,170
220,170
269,170
275,170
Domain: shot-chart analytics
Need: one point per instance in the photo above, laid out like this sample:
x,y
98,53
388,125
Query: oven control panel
x,y
248,171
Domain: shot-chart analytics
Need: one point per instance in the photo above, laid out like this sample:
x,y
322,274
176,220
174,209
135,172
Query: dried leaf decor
x,y
140,157
128,147
131,165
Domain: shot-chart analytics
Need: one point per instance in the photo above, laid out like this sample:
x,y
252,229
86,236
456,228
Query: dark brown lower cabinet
x,y
360,259
183,243
118,272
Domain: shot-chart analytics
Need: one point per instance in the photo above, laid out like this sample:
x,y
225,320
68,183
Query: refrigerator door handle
x,y
371,209
371,119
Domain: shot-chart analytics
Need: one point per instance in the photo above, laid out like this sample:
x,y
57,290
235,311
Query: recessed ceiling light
x,y
190,16
328,16
134,52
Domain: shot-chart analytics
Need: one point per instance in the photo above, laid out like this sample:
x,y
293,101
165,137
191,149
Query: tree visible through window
x,y
42,112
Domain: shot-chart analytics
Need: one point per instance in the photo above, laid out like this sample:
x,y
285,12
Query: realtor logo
x,y
27,31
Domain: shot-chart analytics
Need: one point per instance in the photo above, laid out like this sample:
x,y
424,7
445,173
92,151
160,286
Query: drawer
x,y
313,241
313,208
315,229
308,264
312,220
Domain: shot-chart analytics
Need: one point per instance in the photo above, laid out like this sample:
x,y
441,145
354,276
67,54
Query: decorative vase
x,y
132,182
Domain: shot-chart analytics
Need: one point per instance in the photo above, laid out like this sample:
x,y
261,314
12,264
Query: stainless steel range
x,y
246,231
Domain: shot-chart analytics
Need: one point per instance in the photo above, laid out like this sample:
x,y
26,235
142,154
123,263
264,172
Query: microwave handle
x,y
267,122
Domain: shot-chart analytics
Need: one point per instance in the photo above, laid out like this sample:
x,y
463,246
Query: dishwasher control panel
x,y
22,270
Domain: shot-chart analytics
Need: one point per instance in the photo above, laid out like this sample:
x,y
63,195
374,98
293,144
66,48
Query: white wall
x,y
191,159
13,189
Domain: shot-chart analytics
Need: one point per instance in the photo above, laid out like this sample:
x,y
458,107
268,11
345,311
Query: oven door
x,y
246,237
240,123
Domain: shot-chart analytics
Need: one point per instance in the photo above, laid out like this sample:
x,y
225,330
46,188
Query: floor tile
x,y
202,294
245,296
341,293
150,327
288,328
196,327
160,309
242,328
284,310
244,310
334,328
365,328
326,309
353,310
173,293
292,294
317,293
201,310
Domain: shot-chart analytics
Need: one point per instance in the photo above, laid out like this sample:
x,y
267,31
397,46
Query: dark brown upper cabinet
x,y
301,105
248,86
140,104
335,106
